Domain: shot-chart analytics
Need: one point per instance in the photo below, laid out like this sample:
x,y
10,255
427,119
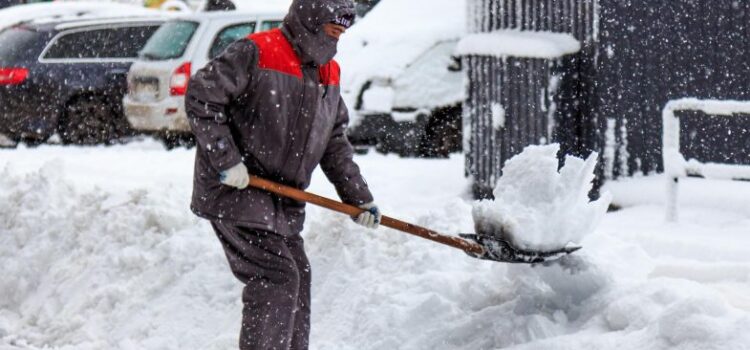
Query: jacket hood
x,y
304,27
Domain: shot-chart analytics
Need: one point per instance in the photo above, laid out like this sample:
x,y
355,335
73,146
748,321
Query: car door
x,y
96,58
88,67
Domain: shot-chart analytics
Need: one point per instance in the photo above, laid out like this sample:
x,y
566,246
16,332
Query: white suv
x,y
158,80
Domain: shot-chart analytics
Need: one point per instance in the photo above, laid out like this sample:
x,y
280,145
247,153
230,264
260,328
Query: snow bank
x,y
538,207
96,270
517,43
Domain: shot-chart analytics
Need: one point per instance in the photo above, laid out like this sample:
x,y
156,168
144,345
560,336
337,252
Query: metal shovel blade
x,y
501,250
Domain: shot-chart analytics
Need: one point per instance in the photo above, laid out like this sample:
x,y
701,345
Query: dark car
x,y
68,78
8,3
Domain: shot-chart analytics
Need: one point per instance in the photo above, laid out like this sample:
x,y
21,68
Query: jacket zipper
x,y
317,102
296,119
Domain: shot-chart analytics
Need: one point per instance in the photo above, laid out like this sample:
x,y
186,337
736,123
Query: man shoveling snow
x,y
270,106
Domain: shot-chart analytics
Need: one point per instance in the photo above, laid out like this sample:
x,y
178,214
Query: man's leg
x,y
267,267
300,339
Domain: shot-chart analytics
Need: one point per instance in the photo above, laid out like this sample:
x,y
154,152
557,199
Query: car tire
x,y
172,140
401,138
361,149
90,120
442,133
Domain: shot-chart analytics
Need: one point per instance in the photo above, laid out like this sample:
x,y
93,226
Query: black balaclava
x,y
304,27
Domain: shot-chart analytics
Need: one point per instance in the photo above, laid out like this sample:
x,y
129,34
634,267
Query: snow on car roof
x,y
270,6
58,11
198,16
110,20
394,34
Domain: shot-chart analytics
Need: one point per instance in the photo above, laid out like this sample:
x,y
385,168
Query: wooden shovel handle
x,y
351,210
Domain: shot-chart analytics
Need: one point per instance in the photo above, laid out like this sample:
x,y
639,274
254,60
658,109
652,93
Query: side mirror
x,y
456,65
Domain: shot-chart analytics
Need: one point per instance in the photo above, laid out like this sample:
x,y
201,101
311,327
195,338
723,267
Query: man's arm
x,y
339,167
209,93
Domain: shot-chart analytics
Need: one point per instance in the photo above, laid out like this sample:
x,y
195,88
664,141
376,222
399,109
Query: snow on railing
x,y
675,165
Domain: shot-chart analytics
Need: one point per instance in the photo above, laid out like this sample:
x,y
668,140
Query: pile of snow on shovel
x,y
537,207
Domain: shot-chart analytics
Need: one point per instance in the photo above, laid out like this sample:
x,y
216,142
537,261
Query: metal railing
x,y
675,164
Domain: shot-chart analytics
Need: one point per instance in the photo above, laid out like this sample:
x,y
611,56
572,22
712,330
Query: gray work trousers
x,y
276,297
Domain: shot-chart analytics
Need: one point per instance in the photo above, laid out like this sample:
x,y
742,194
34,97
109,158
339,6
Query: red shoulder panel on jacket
x,y
276,53
330,73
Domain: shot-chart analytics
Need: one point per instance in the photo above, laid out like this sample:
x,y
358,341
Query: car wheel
x,y
174,140
442,134
401,138
361,149
89,120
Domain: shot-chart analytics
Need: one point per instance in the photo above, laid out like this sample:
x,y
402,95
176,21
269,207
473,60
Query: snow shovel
x,y
482,245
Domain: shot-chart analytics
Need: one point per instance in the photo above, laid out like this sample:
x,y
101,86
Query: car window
x,y
268,25
170,41
117,42
229,35
21,44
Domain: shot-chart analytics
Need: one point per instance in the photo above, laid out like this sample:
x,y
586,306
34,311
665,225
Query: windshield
x,y
170,41
20,44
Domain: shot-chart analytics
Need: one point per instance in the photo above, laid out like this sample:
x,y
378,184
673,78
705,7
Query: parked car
x,y
414,112
68,77
8,3
400,80
158,80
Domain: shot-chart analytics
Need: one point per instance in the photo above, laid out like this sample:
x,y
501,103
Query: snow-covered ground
x,y
98,250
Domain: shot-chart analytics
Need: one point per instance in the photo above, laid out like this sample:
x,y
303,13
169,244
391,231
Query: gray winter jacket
x,y
272,101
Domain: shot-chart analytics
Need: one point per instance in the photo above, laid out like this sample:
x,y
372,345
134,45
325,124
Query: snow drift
x,y
538,207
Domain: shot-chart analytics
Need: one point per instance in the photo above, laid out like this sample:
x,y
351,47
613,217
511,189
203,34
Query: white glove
x,y
370,218
235,176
